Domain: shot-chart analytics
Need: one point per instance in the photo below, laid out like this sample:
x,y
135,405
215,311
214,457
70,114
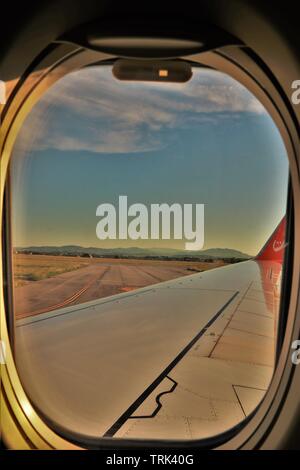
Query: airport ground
x,y
45,283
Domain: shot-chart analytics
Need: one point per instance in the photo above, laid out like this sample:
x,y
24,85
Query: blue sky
x,y
92,138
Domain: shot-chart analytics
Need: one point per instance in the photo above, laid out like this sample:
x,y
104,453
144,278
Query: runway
x,y
89,283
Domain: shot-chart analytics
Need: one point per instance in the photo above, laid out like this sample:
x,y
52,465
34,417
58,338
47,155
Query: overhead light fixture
x,y
177,71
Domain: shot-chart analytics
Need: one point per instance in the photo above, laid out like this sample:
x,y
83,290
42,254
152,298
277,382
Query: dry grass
x,y
29,268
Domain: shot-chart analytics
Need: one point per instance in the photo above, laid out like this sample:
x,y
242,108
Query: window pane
x,y
128,322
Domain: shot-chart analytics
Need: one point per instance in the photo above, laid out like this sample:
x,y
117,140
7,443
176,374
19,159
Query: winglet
x,y
274,247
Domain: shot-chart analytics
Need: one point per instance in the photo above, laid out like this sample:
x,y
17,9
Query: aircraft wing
x,y
189,357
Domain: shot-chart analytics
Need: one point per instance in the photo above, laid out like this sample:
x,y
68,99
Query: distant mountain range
x,y
134,252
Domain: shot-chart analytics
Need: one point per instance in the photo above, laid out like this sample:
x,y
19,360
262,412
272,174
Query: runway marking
x,y
133,407
143,270
128,289
77,308
65,302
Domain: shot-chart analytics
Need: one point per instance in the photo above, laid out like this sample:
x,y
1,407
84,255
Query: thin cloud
x,y
89,110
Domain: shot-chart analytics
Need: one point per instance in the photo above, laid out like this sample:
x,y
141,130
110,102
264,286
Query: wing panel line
x,y
133,407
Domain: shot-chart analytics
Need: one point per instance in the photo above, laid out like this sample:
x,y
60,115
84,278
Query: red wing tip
x,y
275,246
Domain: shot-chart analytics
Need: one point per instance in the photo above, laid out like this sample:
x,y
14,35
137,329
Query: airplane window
x,y
148,230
